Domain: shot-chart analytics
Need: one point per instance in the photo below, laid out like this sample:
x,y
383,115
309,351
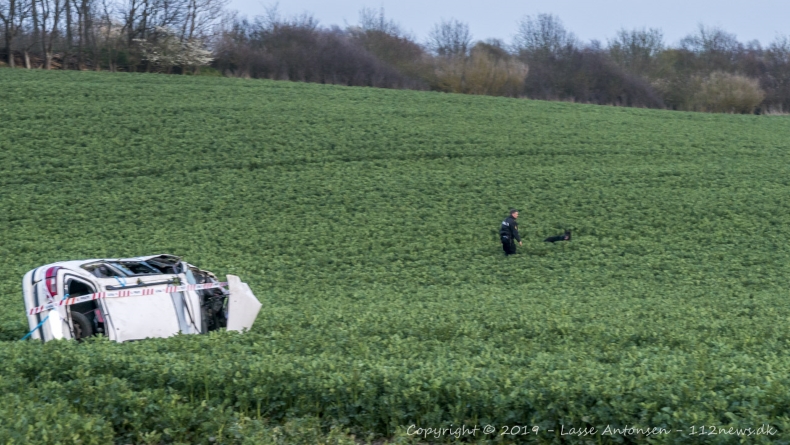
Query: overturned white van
x,y
132,299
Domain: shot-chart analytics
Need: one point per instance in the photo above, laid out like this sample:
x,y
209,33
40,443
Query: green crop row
x,y
366,223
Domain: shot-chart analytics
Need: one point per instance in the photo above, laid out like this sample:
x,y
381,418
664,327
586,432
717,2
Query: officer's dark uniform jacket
x,y
508,231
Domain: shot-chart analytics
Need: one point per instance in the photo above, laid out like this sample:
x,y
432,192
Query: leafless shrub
x,y
773,70
298,49
384,39
588,75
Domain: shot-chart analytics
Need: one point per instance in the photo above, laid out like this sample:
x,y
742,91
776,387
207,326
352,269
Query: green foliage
x,y
205,71
365,221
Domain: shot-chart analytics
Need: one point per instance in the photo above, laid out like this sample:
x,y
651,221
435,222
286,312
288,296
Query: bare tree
x,y
636,50
272,21
715,48
776,79
86,13
386,40
110,33
129,12
710,39
200,18
370,20
543,36
450,38
8,16
46,20
13,14
779,49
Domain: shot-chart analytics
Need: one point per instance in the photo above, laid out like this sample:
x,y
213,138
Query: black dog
x,y
565,237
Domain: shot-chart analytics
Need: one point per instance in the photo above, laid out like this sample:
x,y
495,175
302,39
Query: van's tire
x,y
81,326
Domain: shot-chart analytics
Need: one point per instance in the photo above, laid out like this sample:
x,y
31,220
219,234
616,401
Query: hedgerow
x,y
365,221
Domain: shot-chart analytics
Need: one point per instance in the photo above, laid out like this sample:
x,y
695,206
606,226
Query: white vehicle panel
x,y
142,317
196,322
57,324
243,307
46,328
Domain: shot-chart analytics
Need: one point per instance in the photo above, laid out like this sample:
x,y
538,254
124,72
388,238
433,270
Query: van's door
x,y
243,307
90,311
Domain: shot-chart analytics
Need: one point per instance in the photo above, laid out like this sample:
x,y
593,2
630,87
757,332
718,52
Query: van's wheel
x,y
82,327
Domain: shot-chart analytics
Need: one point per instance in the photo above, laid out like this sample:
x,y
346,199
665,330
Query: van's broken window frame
x,y
121,269
93,266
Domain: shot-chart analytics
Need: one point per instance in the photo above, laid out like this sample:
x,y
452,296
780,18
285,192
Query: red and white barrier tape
x,y
124,293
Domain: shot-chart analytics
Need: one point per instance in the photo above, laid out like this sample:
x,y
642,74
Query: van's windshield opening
x,y
121,269
138,268
101,270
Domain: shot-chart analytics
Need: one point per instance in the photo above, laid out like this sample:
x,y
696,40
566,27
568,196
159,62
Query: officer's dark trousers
x,y
508,246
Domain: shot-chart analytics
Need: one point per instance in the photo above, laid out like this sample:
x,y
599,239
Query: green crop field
x,y
366,221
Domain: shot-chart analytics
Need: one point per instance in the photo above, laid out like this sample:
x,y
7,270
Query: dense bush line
x,y
709,70
365,220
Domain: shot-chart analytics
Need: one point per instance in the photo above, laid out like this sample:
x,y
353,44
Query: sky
x,y
749,20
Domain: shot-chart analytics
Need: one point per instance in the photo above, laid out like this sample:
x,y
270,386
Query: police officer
x,y
508,233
